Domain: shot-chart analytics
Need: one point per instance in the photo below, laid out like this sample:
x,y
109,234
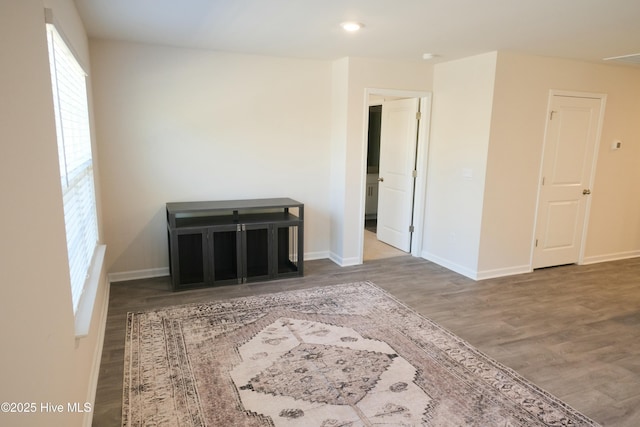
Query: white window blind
x,y
76,165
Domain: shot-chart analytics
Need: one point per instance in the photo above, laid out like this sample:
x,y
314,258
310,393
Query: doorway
x,y
572,137
395,156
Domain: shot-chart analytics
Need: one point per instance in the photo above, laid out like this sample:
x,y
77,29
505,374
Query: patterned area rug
x,y
345,355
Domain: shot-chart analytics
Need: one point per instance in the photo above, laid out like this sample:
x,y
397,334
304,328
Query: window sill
x,y
84,313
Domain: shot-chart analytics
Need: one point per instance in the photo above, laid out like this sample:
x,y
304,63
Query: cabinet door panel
x,y
191,255
225,256
287,253
257,252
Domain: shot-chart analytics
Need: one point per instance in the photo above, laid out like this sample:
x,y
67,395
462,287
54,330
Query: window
x,y
76,165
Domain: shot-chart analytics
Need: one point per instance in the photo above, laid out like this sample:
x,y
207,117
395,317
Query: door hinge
x,y
551,115
536,243
417,115
414,173
543,180
411,229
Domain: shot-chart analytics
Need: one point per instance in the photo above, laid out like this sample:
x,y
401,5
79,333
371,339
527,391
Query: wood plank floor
x,y
572,330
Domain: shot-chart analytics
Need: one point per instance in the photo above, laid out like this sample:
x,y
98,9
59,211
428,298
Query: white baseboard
x,y
138,274
472,274
519,269
164,271
309,256
477,275
501,272
610,257
344,262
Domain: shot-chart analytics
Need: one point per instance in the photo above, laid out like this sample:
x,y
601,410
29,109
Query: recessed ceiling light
x,y
351,26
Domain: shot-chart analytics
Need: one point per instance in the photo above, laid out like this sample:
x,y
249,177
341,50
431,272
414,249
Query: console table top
x,y
282,202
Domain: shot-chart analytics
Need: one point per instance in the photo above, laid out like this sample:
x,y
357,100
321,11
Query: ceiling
x,y
394,29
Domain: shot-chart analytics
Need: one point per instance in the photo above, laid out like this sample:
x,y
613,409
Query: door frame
x,y
596,149
420,187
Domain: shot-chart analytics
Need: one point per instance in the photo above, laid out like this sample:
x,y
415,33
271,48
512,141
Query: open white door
x,y
570,144
398,139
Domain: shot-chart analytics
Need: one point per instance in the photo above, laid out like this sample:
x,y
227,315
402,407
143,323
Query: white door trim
x,y
603,99
421,165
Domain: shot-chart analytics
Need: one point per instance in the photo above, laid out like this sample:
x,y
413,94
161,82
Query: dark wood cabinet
x,y
234,241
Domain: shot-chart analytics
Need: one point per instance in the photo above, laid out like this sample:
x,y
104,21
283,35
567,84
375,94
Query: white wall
x,y
339,125
460,131
513,165
489,118
180,125
40,360
349,140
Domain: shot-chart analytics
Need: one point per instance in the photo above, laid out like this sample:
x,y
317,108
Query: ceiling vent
x,y
627,59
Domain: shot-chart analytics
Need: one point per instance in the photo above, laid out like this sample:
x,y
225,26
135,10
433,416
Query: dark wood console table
x,y
234,241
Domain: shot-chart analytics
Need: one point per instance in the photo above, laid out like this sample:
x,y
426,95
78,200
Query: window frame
x,y
70,96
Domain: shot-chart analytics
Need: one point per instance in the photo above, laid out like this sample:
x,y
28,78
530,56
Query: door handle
x,y
381,179
586,191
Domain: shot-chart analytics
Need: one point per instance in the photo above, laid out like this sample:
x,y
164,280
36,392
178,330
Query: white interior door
x,y
570,143
398,139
